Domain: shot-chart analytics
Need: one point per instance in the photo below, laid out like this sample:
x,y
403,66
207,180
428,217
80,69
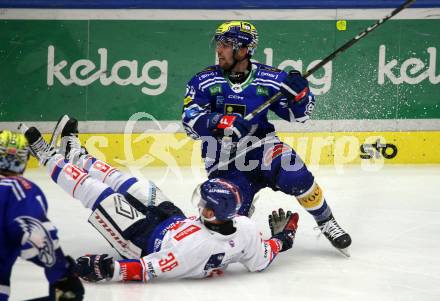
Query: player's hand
x,y
69,287
233,126
283,226
295,86
95,268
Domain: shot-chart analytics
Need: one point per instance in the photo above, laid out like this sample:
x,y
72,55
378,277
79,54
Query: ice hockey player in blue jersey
x,y
248,153
25,230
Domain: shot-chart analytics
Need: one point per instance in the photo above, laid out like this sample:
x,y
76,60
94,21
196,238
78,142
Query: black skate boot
x,y
37,145
70,146
340,239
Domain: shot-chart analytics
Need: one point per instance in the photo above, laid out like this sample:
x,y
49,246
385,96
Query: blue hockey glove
x,y
283,226
233,126
295,87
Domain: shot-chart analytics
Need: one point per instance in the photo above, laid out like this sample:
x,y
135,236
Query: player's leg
x,y
145,192
128,230
285,171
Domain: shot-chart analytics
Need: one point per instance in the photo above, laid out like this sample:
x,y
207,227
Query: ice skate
x,y
70,146
340,239
39,148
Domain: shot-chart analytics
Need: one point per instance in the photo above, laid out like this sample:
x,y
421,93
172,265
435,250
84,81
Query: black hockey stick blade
x,y
332,56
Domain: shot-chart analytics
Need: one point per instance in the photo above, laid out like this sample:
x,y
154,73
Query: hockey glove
x,y
68,287
233,126
302,101
95,268
283,227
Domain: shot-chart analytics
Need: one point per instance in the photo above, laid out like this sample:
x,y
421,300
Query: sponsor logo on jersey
x,y
151,271
233,96
186,232
215,89
262,91
219,100
262,73
205,75
235,109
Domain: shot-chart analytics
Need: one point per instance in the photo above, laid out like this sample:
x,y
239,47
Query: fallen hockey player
x,y
153,235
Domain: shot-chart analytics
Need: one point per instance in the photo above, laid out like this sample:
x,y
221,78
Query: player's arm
x,y
163,264
198,119
298,101
36,238
261,253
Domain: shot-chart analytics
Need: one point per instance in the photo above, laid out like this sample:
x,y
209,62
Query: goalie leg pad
x,y
113,218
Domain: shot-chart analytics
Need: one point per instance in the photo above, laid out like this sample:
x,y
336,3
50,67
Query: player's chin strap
x,y
238,77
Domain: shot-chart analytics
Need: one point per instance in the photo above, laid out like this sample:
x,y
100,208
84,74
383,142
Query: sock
x,y
314,202
101,171
77,183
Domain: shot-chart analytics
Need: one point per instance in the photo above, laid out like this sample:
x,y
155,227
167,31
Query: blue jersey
x,y
25,231
210,92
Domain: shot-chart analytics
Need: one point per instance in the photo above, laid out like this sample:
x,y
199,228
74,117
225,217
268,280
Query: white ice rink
x,y
393,216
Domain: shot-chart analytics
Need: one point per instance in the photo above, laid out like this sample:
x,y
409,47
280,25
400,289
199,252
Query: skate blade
x,y
344,252
58,129
22,127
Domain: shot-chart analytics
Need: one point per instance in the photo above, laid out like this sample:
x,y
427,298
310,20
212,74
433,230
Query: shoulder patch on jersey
x,y
186,232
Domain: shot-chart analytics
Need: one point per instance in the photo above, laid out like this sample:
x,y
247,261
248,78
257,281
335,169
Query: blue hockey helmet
x,y
240,33
14,152
220,195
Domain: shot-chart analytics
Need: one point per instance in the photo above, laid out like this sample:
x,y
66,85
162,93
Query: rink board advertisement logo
x,y
84,72
98,77
377,150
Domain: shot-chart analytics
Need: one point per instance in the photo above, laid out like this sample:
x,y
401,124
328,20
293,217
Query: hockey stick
x,y
332,56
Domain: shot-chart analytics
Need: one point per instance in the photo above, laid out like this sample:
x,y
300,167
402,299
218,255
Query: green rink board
x,y
109,69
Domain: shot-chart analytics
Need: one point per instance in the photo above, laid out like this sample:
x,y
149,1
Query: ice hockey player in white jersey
x,y
153,235
25,230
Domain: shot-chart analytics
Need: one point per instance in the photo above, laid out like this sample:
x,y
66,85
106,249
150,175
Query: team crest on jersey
x,y
36,235
235,109
274,152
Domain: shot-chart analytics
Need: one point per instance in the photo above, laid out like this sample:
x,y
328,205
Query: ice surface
x,y
393,216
